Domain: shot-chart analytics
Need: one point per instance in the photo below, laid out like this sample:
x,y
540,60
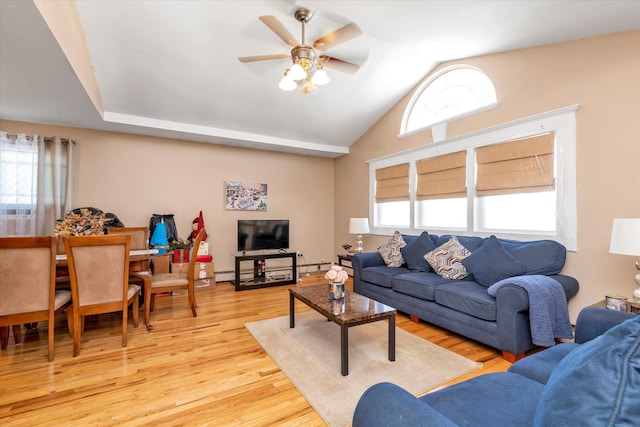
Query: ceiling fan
x,y
307,67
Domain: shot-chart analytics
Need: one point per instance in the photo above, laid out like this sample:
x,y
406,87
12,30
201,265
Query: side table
x,y
345,257
632,307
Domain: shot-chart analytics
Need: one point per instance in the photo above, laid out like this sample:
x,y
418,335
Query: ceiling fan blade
x,y
263,57
276,26
337,37
339,64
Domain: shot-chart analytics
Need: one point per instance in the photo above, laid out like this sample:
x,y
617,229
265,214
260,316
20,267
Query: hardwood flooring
x,y
206,370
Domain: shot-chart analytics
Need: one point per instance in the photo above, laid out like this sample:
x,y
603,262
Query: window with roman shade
x,y
515,180
392,183
442,177
521,166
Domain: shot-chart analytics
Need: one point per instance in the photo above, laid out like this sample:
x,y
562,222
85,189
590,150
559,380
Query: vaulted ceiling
x,y
171,69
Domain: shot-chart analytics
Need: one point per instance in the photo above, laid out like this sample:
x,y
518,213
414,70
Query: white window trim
x,y
416,96
448,120
561,121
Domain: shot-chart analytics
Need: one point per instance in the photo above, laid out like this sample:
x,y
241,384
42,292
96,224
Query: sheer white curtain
x,y
18,184
35,183
55,182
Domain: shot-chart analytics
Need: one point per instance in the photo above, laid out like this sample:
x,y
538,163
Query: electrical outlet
x,y
299,254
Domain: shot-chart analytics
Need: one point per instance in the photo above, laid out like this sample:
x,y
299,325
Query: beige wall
x,y
600,74
137,176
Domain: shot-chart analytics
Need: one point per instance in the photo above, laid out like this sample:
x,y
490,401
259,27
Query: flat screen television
x,y
258,234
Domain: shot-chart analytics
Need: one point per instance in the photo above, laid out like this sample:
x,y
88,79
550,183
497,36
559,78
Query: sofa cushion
x,y
418,284
472,243
468,298
381,275
539,366
446,259
541,256
390,251
601,378
409,238
491,263
498,399
415,251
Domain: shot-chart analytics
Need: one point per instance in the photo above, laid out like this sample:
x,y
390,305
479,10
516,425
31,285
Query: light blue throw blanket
x,y
548,311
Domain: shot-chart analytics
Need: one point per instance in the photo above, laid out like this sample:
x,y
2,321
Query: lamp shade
x,y
297,72
320,77
358,225
287,84
625,236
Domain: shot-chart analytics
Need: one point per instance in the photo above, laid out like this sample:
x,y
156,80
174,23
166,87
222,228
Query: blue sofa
x,y
464,306
592,383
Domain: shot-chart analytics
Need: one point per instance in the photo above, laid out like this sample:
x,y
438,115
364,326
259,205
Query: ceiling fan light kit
x,y
307,69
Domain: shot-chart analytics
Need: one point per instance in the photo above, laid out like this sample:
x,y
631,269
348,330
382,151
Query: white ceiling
x,y
170,68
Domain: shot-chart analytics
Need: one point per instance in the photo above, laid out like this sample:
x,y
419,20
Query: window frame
x,y
561,121
418,93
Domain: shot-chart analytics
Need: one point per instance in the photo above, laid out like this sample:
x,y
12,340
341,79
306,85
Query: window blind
x,y
442,177
522,166
392,183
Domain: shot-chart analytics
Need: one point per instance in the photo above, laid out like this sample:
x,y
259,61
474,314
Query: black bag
x,y
169,223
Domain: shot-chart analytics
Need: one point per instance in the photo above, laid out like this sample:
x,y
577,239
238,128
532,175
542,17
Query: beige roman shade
x,y
392,183
442,177
522,166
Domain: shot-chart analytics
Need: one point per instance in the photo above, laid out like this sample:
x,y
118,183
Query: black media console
x,y
262,277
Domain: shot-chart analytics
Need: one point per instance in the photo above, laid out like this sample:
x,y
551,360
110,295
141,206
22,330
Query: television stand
x,y
260,277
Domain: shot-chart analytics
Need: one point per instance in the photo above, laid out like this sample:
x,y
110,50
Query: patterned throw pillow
x,y
446,259
390,251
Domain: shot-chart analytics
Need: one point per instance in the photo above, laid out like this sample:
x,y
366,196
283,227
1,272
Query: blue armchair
x,y
593,382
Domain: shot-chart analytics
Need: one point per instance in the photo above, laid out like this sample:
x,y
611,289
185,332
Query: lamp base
x,y
359,249
636,295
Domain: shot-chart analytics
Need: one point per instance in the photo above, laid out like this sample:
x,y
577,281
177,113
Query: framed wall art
x,y
242,196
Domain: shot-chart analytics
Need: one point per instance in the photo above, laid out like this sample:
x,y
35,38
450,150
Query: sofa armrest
x,y
366,259
568,283
594,321
387,404
512,303
363,260
512,319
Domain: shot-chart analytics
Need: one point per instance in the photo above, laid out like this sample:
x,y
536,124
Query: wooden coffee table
x,y
353,310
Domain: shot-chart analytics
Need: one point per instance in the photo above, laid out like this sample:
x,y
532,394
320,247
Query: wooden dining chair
x,y
99,272
139,236
139,241
176,281
27,286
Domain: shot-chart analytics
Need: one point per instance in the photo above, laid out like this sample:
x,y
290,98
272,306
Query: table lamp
x,y
359,226
625,240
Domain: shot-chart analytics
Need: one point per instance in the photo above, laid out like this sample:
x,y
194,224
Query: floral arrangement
x,y
336,274
83,224
346,246
180,244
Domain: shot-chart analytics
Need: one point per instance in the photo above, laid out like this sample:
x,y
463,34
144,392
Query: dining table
x,y
139,267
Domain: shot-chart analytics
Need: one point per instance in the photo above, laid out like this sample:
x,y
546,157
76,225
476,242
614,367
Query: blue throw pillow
x,y
415,251
491,263
597,384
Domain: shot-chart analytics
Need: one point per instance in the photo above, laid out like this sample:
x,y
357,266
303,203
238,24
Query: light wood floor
x,y
189,371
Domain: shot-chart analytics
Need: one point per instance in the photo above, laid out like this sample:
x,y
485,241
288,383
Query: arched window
x,y
452,93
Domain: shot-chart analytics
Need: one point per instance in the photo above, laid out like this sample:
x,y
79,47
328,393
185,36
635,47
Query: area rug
x,y
309,355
